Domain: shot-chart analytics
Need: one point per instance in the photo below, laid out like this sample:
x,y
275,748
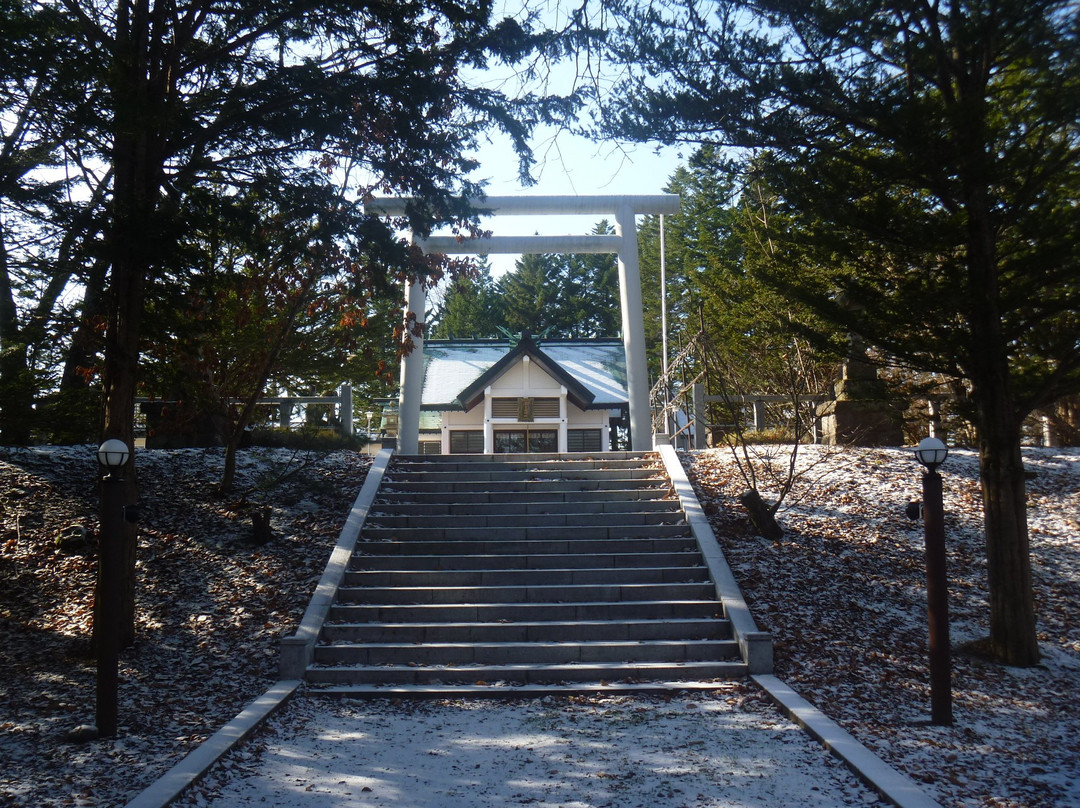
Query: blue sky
x,y
574,166
566,164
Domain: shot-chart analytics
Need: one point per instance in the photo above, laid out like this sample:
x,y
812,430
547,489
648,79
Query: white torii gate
x,y
624,243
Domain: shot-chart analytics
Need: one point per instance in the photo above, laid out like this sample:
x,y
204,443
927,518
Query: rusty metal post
x,y
937,596
109,590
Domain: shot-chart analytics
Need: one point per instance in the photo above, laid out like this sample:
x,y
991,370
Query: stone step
x,y
526,674
456,464
521,653
517,690
534,562
511,535
534,495
524,486
398,476
558,593
524,577
504,520
519,508
530,459
524,572
691,609
537,631
528,547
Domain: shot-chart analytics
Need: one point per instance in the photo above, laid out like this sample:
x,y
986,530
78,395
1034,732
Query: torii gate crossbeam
x,y
624,243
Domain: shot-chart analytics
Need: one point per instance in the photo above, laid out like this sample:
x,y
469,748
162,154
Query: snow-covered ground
x,y
724,749
212,606
843,594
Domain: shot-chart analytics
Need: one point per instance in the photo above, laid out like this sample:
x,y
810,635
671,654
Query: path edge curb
x,y
897,788
297,650
202,758
755,646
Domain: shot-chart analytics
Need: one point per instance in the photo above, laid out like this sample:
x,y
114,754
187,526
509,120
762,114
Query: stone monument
x,y
862,413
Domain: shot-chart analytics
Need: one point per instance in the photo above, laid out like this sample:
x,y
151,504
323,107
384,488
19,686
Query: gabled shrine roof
x,y
593,370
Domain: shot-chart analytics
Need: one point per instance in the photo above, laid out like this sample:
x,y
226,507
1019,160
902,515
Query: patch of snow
x,y
719,750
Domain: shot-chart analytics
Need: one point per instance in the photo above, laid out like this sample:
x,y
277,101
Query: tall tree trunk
x,y
126,290
1013,637
139,101
86,342
16,387
1065,418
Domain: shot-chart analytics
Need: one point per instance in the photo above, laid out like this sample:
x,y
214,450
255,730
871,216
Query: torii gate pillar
x,y
633,329
412,373
624,243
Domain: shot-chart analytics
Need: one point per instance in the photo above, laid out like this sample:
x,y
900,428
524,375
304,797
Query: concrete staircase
x,y
506,572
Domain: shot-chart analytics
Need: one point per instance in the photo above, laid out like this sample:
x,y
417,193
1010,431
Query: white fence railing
x,y
685,416
342,405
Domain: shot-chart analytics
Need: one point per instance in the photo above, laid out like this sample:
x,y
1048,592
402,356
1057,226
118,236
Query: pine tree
x,y
915,171
185,102
591,292
570,296
471,308
531,295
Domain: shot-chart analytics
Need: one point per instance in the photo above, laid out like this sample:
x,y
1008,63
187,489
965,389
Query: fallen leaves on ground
x,y
844,595
211,607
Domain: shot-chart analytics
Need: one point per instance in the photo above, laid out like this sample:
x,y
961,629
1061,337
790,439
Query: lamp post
x,y
931,452
112,454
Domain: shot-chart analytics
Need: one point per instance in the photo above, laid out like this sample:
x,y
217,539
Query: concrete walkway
x,y
723,748
726,747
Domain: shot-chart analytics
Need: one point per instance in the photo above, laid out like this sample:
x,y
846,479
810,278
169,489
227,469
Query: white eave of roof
x,y
450,368
601,368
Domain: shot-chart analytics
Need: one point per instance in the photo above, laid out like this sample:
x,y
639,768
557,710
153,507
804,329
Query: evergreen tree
x,y
531,295
591,292
571,296
187,102
752,343
916,170
471,307
43,212
697,238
